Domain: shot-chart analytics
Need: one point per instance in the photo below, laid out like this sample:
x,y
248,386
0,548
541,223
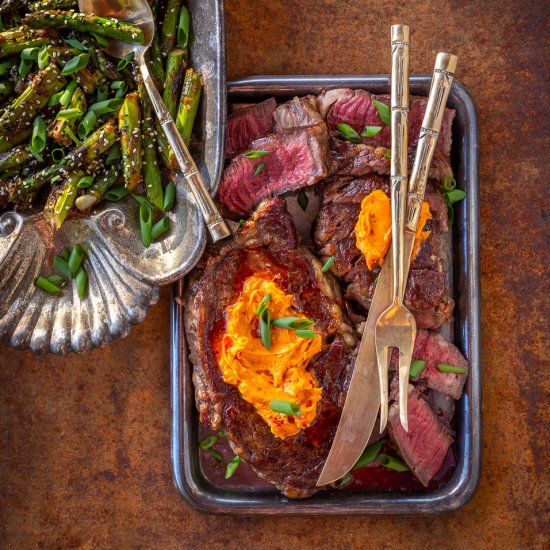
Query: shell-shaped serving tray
x,y
123,275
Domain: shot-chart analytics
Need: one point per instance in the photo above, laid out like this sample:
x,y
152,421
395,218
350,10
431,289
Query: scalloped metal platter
x,y
123,276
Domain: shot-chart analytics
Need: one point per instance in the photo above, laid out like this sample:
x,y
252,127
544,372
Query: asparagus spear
x,y
84,22
130,140
16,40
61,199
20,113
52,5
106,66
155,52
170,26
97,191
93,146
14,158
8,141
58,129
175,73
189,103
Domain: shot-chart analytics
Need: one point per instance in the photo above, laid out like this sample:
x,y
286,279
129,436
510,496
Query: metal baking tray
x,y
250,496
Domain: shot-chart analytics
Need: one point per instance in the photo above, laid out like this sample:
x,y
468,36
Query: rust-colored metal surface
x,y
84,459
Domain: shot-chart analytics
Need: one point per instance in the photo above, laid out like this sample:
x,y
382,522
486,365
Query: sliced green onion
x,y
85,182
159,228
293,323
86,124
417,366
101,40
38,140
304,333
215,454
384,112
449,183
232,466
67,93
25,67
5,67
30,54
35,153
242,222
102,93
265,329
142,200
145,224
285,407
75,43
55,178
222,435
6,88
183,27
328,263
119,85
116,193
453,195
47,286
371,131
387,153
81,281
70,133
58,155
208,442
76,64
107,106
348,133
69,114
75,259
125,60
346,480
302,200
55,99
263,304
255,153
56,280
443,367
66,254
169,194
60,264
369,454
259,168
43,58
392,463
114,154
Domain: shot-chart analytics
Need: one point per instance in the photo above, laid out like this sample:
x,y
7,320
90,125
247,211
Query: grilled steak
x,y
426,294
268,244
247,124
295,158
297,113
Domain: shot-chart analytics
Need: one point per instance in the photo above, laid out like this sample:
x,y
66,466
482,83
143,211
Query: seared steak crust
x,y
268,244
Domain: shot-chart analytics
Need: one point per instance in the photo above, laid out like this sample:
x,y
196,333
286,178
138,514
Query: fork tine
x,y
382,359
405,357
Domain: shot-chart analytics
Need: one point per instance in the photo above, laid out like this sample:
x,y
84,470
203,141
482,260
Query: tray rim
x,y
464,482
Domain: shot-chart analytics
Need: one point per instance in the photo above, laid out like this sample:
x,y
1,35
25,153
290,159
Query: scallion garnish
x,y
387,153
57,280
371,131
346,480
47,286
60,264
451,197
116,193
75,259
58,155
145,224
293,323
142,200
102,93
255,153
125,60
81,281
114,154
38,140
302,200
348,133
265,328
35,153
43,58
101,40
449,183
86,124
328,263
69,114
392,463
259,169
263,304
384,112
169,195
369,455
222,435
215,454
241,222
304,333
25,67
85,182
55,99
107,106
76,64
30,54
159,228
75,43
443,367
70,133
67,93
285,407
5,67
417,366
183,27
232,466
208,442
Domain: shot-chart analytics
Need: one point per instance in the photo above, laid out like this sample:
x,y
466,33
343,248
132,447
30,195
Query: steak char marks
x,y
268,244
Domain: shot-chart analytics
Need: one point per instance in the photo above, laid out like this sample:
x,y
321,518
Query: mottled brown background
x,y
84,441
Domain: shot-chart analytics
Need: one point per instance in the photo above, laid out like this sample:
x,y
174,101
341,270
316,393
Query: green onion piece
x,y
348,133
58,155
75,259
302,200
38,140
384,112
119,85
6,88
5,67
328,263
241,222
30,54
67,93
369,455
43,58
102,93
56,280
125,60
293,323
114,154
47,286
70,133
107,106
417,366
346,480
387,153
55,99
222,435
255,153
159,228
285,407
453,195
35,153
232,466
145,224
371,131
265,329
116,193
392,463
142,200
81,281
101,40
443,367
263,304
303,333
259,168
208,442
86,124
183,27
60,264
120,93
215,454
85,182
169,194
69,114
449,183
66,254
75,43
25,67
76,64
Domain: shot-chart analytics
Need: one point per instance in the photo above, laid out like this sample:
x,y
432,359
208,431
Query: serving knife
x,y
363,398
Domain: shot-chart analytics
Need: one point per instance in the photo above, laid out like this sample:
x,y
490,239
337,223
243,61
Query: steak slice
x,y
297,113
427,442
295,158
247,124
268,244
356,108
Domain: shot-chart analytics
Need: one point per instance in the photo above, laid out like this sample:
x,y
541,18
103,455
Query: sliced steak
x,y
297,113
425,446
356,108
268,244
247,124
295,158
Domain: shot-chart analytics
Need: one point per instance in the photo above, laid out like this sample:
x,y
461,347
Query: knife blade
x,y
363,398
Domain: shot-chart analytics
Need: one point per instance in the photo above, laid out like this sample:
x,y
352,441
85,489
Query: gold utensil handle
x,y
442,80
